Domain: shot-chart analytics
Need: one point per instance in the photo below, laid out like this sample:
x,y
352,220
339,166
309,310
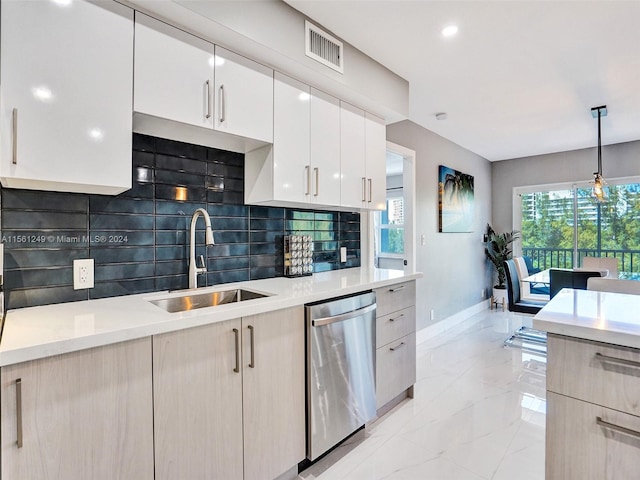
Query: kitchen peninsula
x,y
593,385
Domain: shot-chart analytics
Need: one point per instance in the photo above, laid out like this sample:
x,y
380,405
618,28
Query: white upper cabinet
x,y
65,111
362,159
325,148
173,73
243,96
291,167
376,150
353,186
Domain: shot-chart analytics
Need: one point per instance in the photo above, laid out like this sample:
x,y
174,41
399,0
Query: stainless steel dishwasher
x,y
341,393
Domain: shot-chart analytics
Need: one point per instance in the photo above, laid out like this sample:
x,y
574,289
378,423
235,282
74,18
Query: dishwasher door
x,y
341,393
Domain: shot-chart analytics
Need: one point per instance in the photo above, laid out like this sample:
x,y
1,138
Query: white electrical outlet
x,y
343,254
483,293
83,273
433,314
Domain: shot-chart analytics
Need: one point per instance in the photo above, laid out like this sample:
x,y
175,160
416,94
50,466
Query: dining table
x,y
543,276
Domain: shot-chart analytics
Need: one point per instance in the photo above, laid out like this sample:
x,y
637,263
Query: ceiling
x,y
519,78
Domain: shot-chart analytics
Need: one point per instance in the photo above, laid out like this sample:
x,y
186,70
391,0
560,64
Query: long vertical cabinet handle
x,y
252,362
14,122
207,86
223,107
236,332
364,189
316,171
307,169
19,412
370,188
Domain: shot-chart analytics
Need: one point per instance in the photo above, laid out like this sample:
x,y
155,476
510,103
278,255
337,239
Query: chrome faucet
x,y
194,270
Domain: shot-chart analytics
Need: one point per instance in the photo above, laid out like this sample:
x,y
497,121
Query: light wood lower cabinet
x,y
198,403
593,426
215,418
84,415
590,442
395,342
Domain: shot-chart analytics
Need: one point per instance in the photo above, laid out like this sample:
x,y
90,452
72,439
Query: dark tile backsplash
x,y
140,238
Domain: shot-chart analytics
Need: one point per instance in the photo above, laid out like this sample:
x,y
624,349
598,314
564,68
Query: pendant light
x,y
598,179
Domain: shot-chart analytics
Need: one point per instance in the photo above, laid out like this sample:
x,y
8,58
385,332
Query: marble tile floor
x,y
478,414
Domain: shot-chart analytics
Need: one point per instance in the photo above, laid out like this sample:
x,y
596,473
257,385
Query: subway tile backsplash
x,y
140,238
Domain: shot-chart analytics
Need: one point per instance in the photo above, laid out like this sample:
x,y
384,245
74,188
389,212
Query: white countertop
x,y
600,316
37,332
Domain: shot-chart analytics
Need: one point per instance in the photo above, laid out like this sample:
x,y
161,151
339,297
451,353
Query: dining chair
x,y
600,263
515,301
615,285
559,279
526,290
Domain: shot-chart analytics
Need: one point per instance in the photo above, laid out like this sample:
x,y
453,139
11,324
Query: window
x,y
561,226
390,227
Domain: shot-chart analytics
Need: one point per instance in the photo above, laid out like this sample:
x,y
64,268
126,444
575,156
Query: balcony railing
x,y
543,258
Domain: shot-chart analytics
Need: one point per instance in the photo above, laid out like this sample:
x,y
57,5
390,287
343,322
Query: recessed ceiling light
x,y
450,30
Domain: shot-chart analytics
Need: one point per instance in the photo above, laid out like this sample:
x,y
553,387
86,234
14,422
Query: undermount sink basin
x,y
202,300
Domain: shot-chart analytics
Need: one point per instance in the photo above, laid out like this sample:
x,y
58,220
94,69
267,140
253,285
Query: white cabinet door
x,y
291,166
197,389
84,415
273,393
243,96
376,149
325,148
353,185
173,73
67,85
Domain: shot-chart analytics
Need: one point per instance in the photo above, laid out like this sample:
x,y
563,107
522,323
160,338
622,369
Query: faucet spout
x,y
194,270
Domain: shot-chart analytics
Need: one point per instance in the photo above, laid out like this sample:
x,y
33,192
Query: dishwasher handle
x,y
318,322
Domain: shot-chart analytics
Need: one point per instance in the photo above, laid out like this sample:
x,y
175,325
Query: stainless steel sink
x,y
202,300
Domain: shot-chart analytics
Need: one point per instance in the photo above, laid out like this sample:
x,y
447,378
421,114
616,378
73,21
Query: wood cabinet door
x,y
243,96
197,390
67,84
273,370
84,415
585,441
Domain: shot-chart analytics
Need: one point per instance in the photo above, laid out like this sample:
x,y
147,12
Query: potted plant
x,y
498,248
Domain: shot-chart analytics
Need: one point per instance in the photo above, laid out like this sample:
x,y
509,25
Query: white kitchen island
x,y
593,385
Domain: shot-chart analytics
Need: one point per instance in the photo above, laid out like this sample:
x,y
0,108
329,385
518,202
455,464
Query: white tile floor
x,y
478,413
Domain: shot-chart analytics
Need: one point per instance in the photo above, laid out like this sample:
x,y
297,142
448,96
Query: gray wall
x,y
454,265
619,160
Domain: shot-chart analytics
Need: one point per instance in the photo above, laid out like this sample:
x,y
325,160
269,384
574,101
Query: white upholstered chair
x,y
525,287
602,263
600,284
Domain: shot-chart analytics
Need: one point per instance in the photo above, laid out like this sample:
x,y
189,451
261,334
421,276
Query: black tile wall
x,y
139,239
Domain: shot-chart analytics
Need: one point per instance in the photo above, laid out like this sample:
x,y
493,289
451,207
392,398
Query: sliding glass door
x,y
562,224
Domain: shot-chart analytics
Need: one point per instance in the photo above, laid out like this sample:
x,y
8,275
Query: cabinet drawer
x,y
395,297
395,368
585,441
595,372
395,325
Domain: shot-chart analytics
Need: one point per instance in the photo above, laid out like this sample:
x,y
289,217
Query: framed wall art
x,y
456,207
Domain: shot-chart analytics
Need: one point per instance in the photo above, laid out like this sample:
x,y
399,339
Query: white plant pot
x,y
499,298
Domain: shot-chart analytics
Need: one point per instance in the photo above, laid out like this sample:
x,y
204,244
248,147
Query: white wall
x,y
618,160
454,265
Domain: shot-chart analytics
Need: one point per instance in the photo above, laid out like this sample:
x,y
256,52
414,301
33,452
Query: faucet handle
x,y
202,264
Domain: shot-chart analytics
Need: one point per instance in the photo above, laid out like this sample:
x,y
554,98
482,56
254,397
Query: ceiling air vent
x,y
323,48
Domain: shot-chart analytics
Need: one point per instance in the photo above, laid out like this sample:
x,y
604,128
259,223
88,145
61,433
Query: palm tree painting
x,y
455,200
